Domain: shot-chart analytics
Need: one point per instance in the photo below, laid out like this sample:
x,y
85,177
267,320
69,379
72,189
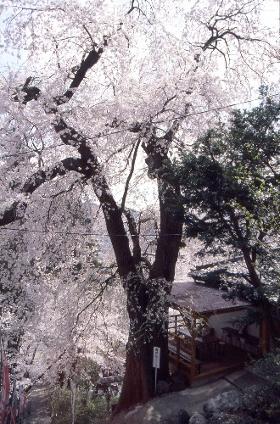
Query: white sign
x,y
156,357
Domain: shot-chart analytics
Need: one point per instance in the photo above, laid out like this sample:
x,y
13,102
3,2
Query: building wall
x,y
227,319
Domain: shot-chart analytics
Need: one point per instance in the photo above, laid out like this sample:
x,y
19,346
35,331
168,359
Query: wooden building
x,y
208,335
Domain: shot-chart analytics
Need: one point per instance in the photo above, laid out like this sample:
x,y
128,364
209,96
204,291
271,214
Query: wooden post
x,y
193,346
178,351
264,336
176,325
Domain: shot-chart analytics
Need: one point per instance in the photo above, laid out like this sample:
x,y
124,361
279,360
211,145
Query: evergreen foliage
x,y
230,184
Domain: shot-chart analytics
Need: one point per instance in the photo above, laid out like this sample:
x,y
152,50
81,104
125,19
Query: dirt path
x,y
39,411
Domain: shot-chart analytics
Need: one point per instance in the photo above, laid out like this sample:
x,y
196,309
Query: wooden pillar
x,y
176,325
178,351
264,336
193,346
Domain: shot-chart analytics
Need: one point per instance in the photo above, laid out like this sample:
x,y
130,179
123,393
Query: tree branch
x,y
103,287
17,209
30,93
130,174
92,170
134,236
41,176
171,209
13,212
86,64
89,165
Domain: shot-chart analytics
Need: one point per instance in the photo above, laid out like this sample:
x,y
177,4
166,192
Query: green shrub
x,y
86,411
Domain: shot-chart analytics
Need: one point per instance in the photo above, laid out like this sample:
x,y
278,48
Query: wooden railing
x,y
182,348
175,322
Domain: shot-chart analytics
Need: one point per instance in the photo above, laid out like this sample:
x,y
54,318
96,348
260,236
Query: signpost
x,y
156,363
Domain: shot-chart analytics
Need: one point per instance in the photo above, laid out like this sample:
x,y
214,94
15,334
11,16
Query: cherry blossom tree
x,y
104,95
55,293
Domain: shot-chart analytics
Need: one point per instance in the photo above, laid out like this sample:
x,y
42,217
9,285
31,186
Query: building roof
x,y
202,299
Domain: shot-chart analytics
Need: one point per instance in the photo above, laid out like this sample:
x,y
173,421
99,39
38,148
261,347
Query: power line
x,y
85,234
214,109
28,152
94,137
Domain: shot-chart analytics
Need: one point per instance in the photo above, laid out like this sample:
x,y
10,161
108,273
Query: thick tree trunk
x,y
139,383
148,306
148,314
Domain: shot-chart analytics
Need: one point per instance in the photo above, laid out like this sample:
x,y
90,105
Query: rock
x,y
197,418
163,387
230,401
182,417
179,382
222,418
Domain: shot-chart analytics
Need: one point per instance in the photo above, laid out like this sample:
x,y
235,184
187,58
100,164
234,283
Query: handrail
x,y
175,321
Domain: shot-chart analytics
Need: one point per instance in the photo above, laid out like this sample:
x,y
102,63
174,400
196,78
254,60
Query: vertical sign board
x,y
156,363
156,357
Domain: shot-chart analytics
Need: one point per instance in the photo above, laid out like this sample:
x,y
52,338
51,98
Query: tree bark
x,y
268,329
148,315
148,301
139,384
147,297
13,212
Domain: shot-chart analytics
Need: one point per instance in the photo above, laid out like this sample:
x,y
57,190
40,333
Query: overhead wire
x,y
214,109
84,234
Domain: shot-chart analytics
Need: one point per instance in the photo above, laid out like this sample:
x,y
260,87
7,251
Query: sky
x,y
271,14
11,61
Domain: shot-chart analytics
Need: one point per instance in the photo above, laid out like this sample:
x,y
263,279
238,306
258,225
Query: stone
x,y
230,401
181,417
197,418
163,387
179,382
222,418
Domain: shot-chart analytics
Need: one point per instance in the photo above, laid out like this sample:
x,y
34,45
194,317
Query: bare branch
x,y
90,36
134,236
60,193
130,174
134,6
104,286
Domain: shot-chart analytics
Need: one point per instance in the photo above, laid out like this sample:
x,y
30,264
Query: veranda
x,y
207,334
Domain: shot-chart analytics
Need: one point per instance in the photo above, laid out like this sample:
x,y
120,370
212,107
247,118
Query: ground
x,y
191,399
38,406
